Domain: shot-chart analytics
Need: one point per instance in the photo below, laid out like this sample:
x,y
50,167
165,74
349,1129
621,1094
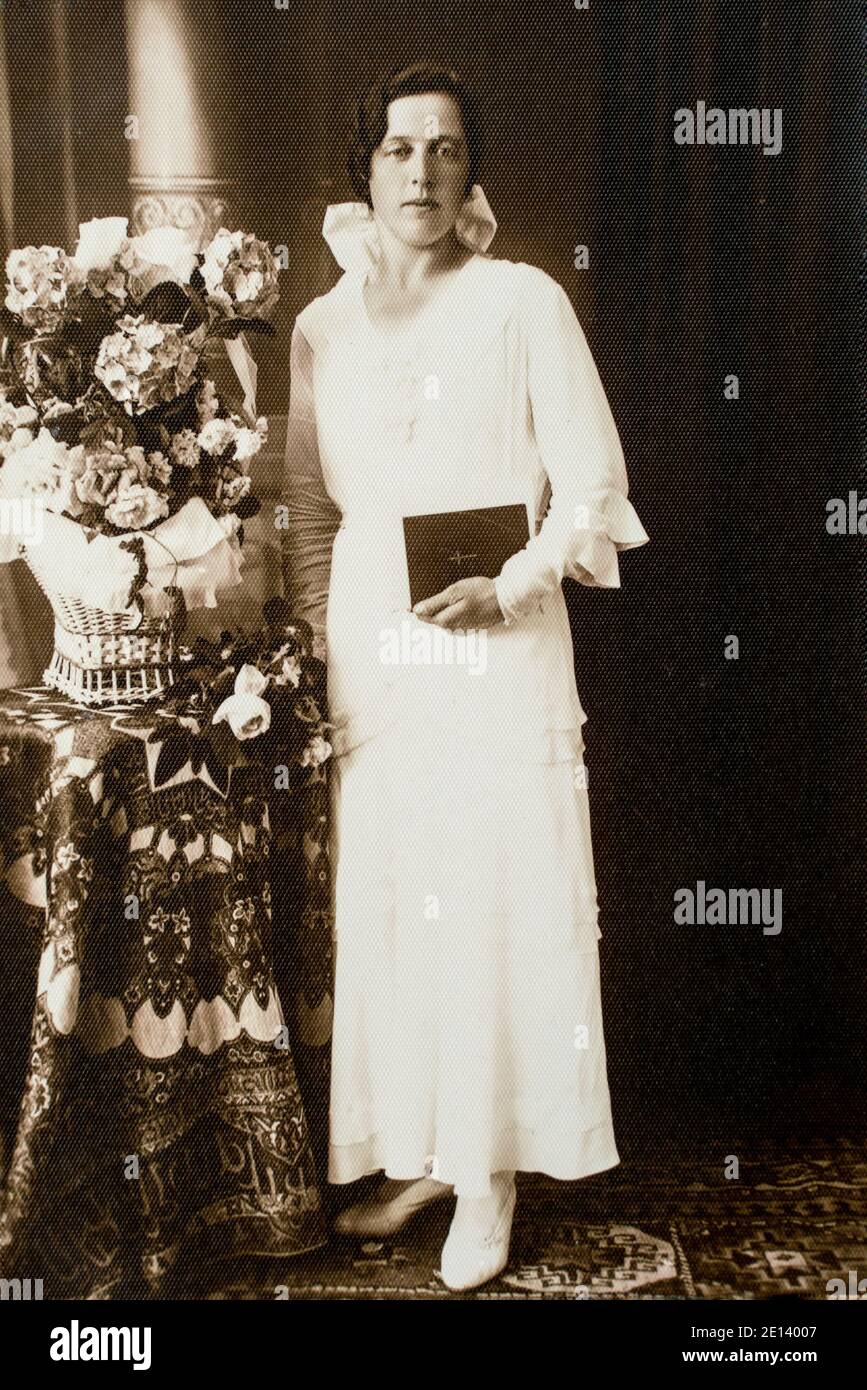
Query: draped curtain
x,y
716,261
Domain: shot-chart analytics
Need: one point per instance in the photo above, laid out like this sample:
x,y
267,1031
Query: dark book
x,y
443,547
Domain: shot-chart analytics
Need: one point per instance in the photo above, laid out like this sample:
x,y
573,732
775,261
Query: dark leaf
x,y
246,652
182,692
224,376
223,685
50,343
94,431
209,467
277,612
93,323
282,713
224,749
315,673
90,518
199,675
66,428
218,774
177,414
233,328
205,650
165,303
223,743
149,436
197,312
199,749
11,326
173,754
247,507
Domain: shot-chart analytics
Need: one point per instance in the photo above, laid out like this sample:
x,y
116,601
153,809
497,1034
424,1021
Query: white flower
x,y
52,409
247,444
99,480
136,459
16,416
231,490
20,439
184,449
16,422
317,750
99,241
39,280
246,713
160,468
250,680
136,507
240,274
66,855
131,467
291,672
207,401
216,436
143,364
164,253
46,468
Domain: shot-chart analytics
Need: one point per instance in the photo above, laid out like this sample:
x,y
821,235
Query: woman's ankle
x,y
482,1212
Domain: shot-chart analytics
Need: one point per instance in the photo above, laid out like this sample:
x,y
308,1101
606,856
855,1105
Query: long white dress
x,y
467,1031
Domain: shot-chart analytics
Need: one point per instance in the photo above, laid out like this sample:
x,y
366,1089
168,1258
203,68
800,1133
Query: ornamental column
x,y
178,125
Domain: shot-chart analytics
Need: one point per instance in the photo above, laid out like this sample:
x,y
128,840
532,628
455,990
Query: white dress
x,y
467,1031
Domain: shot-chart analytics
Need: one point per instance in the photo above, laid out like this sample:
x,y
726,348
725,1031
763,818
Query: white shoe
x,y
380,1216
471,1258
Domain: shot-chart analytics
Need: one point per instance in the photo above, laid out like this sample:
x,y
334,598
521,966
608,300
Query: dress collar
x,y
351,233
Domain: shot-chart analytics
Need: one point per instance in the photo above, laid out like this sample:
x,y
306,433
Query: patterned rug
x,y
667,1227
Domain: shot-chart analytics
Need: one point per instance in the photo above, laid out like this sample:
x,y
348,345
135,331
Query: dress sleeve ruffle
x,y
590,518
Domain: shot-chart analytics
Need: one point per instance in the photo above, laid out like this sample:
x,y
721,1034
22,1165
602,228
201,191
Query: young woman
x,y
468,1040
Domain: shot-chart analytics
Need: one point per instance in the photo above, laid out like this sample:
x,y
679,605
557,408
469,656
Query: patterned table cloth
x,y
152,1111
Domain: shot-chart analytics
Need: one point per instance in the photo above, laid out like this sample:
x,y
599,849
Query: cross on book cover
x,y
443,547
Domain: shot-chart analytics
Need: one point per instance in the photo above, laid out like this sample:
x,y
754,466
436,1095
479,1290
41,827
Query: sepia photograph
x,y
432,667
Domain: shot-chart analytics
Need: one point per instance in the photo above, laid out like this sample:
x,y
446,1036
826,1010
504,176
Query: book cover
x,y
443,547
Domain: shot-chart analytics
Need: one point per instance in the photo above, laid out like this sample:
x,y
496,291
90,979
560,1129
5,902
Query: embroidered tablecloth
x,y
165,1002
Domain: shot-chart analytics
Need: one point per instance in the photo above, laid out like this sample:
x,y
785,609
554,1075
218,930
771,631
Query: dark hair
x,y
370,121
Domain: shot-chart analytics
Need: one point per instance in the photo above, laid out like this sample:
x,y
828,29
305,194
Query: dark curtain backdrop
x,y
704,261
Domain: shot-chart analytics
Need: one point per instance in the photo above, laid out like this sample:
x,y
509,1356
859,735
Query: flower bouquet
x,y
243,699
125,442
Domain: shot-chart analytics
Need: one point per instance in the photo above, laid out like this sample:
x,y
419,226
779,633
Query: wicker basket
x,y
112,658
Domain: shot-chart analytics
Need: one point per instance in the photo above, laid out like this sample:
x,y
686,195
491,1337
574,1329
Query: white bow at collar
x,y
352,235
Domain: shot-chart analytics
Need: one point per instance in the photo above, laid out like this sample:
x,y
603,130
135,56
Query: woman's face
x,y
418,174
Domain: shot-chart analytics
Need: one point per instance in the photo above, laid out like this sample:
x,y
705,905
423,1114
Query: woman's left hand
x,y
467,604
